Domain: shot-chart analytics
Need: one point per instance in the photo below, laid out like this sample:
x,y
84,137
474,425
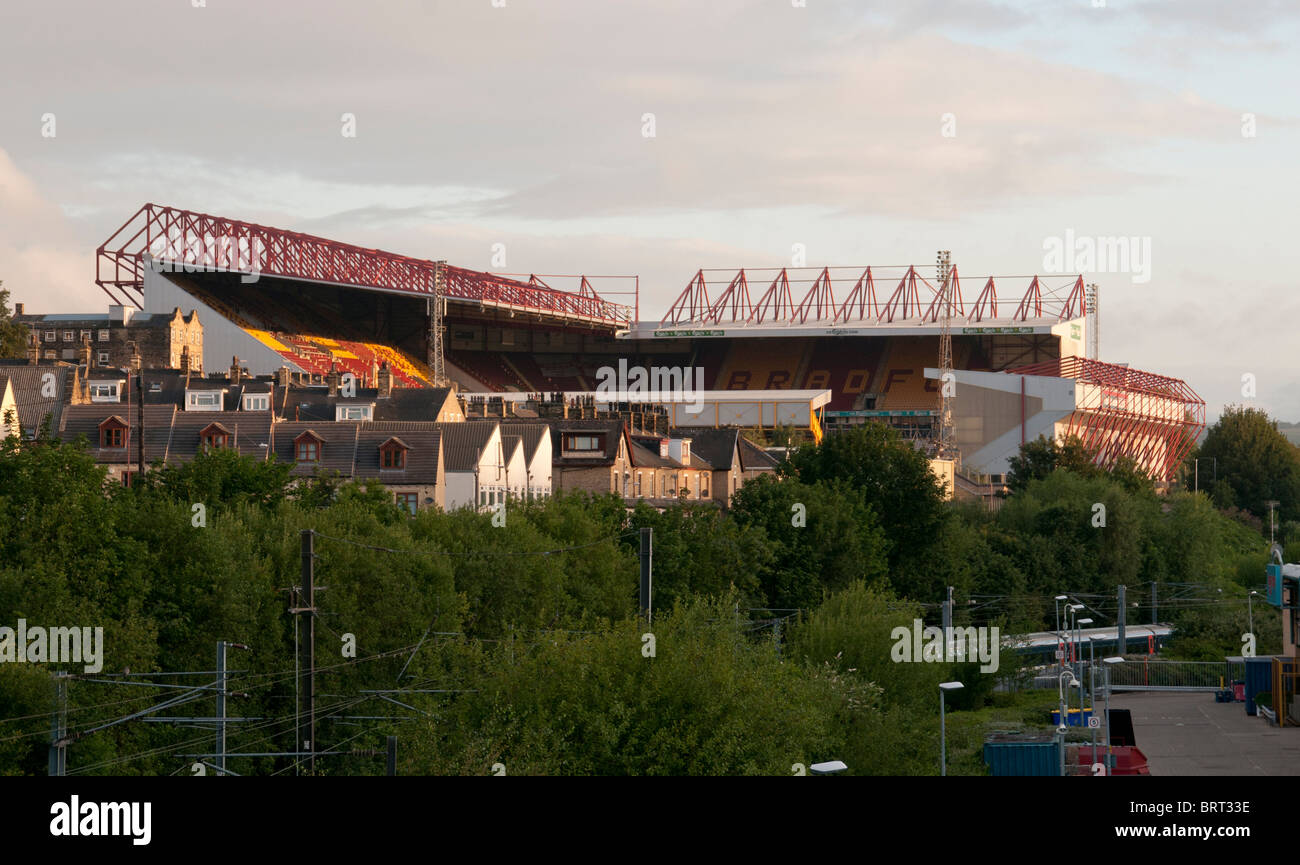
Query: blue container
x,y
1020,759
1259,677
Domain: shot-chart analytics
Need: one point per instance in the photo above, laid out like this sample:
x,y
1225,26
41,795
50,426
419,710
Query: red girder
x,y
933,312
906,296
988,299
819,301
734,301
199,241
777,300
862,298
692,305
1153,419
777,306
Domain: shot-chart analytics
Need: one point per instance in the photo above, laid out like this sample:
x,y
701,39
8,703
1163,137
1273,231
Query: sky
x,y
657,138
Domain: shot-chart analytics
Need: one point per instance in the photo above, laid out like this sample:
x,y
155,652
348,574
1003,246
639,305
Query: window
x,y
704,485
308,448
583,442
69,336
409,501
214,436
686,453
104,391
209,400
127,477
103,336
352,412
50,355
392,456
103,358
257,402
49,336
112,433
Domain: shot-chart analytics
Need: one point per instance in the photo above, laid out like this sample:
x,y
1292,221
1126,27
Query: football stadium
x,y
967,368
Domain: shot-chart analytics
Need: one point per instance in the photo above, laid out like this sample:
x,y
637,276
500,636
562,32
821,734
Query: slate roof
x,y
614,430
28,383
532,434
714,447
313,402
338,450
754,458
422,456
463,442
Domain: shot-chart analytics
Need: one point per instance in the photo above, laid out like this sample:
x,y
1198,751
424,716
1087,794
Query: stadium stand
x,y
846,366
763,364
902,385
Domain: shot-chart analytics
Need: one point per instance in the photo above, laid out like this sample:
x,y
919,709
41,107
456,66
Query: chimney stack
x,y
384,380
282,376
333,379
234,370
135,358
18,309
33,354
85,354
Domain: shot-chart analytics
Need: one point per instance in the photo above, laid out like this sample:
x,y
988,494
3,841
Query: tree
x,y
894,478
13,335
1256,464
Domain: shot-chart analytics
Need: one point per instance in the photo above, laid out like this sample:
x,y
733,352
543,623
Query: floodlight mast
x,y
943,266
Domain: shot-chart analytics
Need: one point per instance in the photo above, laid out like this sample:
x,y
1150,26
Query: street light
x,y
943,733
1250,610
1063,713
1272,503
1057,604
1109,662
830,767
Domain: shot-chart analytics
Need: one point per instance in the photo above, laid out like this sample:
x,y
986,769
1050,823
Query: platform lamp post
x,y
1272,503
1063,714
943,732
1073,610
1250,611
1109,662
1058,600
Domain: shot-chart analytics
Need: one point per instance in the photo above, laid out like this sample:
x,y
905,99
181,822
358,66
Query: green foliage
x,y
1256,464
893,477
13,336
710,702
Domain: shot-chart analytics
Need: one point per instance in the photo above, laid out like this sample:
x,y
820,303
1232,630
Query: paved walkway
x,y
1187,733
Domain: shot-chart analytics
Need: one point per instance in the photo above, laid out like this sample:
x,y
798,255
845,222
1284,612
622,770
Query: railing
x,y
1141,674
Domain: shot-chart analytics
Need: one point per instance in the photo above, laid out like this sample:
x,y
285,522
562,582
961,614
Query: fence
x,y
1141,674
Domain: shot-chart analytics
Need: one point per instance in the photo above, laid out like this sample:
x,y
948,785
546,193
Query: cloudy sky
x,y
868,132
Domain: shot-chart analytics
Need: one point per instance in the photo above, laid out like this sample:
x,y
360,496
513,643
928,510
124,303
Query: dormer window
x,y
112,432
214,435
308,447
584,443
257,401
105,391
203,400
392,454
353,412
